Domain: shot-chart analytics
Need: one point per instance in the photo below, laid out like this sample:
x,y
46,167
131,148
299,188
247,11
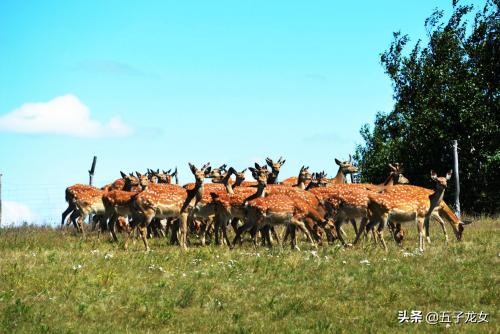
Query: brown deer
x,y
118,203
169,201
404,203
279,209
231,204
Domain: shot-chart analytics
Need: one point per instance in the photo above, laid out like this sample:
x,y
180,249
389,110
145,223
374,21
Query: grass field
x,y
56,282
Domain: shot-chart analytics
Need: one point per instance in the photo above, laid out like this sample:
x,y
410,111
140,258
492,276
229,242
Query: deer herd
x,y
151,204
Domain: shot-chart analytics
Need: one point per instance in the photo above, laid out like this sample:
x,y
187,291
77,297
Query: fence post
x,y
91,179
457,178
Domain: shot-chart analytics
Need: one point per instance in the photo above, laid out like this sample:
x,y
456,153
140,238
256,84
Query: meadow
x,y
54,281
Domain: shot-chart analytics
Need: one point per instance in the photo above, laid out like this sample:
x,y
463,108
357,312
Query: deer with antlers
x,y
169,201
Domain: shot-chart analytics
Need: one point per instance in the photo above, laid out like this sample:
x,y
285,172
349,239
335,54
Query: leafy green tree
x,y
447,89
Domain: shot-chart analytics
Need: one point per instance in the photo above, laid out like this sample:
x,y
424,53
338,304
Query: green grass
x,y
55,282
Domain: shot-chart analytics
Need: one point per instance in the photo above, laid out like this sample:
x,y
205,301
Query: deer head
x,y
260,174
275,166
441,182
143,180
240,177
165,176
152,175
346,167
131,182
200,174
217,174
397,174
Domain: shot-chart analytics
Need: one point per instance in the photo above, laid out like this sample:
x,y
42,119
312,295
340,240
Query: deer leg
x,y
112,227
354,226
275,234
361,229
174,227
217,227
224,232
234,224
338,227
73,218
183,230
441,222
143,230
380,233
420,228
71,207
304,229
249,224
427,227
81,222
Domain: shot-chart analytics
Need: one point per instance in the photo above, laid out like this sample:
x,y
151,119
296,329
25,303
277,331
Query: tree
x,y
445,90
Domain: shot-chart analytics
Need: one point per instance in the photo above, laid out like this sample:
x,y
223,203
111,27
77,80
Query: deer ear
x,y
208,170
243,171
337,161
269,162
253,170
257,166
433,175
350,158
123,174
283,162
448,175
138,174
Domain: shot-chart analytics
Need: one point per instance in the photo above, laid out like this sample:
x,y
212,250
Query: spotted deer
x,y
118,203
404,203
169,201
231,204
279,209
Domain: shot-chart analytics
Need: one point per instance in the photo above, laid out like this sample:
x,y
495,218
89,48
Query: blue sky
x,y
155,84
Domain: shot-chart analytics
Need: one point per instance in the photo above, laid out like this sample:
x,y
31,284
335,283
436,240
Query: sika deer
x,y
169,201
409,203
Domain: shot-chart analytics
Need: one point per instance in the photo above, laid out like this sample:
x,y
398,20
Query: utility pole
x,y
457,178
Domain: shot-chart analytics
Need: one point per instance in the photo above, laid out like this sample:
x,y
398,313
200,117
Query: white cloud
x,y
63,115
15,213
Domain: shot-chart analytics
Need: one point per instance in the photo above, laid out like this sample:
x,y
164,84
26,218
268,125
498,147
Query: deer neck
x,y
340,177
261,192
196,193
238,181
311,185
436,198
301,183
272,178
227,183
389,181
